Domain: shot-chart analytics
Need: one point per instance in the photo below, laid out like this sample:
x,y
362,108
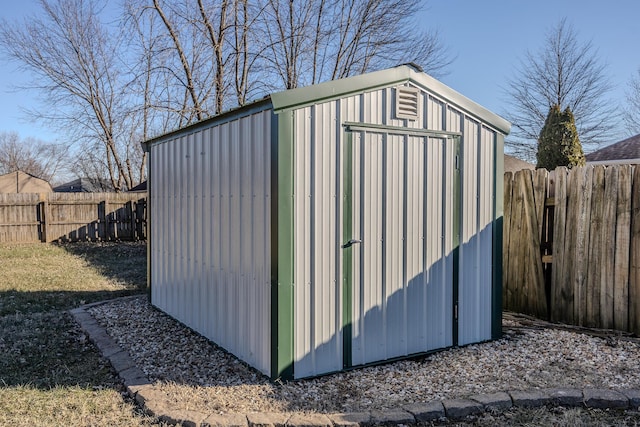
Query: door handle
x,y
351,243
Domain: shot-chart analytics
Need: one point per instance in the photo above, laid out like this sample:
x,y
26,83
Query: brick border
x,y
156,403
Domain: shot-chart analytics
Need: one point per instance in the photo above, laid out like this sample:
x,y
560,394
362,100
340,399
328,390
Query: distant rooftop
x,y
627,150
84,185
513,164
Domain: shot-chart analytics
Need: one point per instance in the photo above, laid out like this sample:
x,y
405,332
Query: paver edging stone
x,y
154,401
461,408
565,396
633,396
350,419
309,420
392,416
604,398
529,398
427,411
268,419
493,401
184,418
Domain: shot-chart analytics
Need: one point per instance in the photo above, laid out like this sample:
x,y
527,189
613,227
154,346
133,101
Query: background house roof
x,y
513,164
627,149
84,185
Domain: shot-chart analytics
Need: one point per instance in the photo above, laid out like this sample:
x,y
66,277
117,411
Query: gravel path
x,y
197,375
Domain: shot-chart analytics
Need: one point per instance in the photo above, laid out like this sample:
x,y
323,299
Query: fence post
x,y
107,219
634,277
44,202
132,219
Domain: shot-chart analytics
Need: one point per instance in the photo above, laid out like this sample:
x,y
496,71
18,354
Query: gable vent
x,y
406,103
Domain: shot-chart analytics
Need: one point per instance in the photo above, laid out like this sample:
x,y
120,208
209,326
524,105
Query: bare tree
x,y
170,63
632,110
192,53
564,72
75,59
33,156
320,40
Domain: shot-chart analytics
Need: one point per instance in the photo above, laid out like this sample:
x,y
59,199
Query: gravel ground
x,y
198,375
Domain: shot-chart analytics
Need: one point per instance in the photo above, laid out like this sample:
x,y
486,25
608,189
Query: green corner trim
x,y
498,217
347,259
282,247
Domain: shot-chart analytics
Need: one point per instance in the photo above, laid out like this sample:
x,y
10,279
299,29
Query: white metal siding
x,y
210,234
317,231
403,281
403,268
475,280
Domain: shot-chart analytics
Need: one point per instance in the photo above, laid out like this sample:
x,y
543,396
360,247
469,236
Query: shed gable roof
x,y
335,89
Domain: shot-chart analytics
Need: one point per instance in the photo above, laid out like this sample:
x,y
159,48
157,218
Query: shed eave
x,y
334,89
227,116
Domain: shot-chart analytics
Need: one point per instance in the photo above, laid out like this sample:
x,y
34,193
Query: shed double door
x,y
399,235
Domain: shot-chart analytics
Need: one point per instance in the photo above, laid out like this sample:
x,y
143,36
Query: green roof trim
x,y
300,97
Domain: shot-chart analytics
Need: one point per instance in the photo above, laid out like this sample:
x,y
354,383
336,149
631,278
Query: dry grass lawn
x,y
50,374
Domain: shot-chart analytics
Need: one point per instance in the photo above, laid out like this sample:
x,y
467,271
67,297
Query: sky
x,y
487,38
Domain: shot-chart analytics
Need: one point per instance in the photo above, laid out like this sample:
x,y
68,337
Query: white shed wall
x,y
318,170
210,233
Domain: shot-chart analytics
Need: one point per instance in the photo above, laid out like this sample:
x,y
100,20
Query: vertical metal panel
x,y
318,341
486,173
475,250
468,286
438,270
368,330
416,245
211,252
394,302
435,113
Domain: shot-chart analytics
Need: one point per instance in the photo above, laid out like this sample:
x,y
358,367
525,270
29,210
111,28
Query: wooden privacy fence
x,y
572,245
49,217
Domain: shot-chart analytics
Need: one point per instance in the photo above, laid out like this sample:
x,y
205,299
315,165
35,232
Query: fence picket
x,y
533,262
594,246
622,249
560,294
608,240
583,214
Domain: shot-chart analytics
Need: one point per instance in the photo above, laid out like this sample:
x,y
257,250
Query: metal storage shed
x,y
331,226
